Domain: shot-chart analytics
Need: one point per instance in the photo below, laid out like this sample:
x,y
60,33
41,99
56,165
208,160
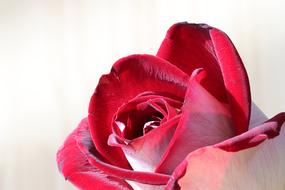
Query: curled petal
x,y
85,144
76,168
141,177
204,121
189,46
255,136
134,117
144,153
142,143
235,79
257,166
192,46
129,77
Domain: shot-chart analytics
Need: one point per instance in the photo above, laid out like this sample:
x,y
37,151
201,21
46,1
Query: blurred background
x,y
52,53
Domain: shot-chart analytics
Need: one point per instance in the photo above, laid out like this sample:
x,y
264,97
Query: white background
x,y
52,53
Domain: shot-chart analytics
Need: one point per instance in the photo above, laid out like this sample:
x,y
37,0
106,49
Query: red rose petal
x,y
76,168
144,153
81,164
87,148
189,46
91,181
141,110
192,46
129,77
235,79
204,121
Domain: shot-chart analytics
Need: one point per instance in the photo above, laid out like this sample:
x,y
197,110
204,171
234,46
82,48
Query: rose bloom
x,y
182,119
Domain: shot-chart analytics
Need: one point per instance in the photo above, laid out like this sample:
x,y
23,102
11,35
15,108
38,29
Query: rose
x,y
178,120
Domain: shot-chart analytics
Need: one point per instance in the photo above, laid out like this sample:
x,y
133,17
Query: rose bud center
x,y
143,114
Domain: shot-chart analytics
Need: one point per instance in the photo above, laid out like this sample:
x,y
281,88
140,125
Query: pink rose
x,y
177,120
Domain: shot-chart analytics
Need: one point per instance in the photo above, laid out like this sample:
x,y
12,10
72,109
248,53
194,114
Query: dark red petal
x,y
251,156
141,177
145,149
235,79
76,168
91,181
192,46
129,119
204,121
189,46
129,77
87,148
132,117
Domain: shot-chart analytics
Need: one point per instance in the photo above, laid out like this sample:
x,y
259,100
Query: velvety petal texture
x,y
80,163
204,121
192,46
145,153
180,120
145,148
253,160
129,77
75,167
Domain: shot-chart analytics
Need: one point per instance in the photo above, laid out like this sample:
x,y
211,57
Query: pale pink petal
x,y
204,121
144,153
260,167
142,186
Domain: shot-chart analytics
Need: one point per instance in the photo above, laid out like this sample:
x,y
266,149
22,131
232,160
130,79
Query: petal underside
x,y
192,46
129,77
76,168
204,121
256,166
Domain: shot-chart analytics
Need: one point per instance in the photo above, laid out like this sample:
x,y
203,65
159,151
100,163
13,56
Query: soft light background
x,y
52,53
